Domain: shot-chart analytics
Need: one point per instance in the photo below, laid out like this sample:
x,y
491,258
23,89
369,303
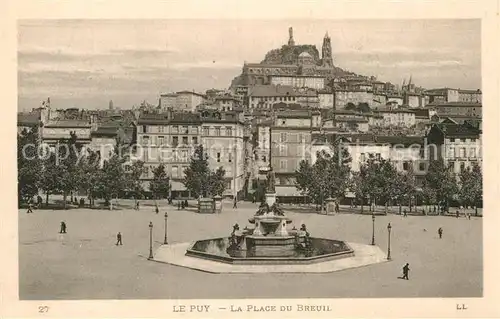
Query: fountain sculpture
x,y
269,241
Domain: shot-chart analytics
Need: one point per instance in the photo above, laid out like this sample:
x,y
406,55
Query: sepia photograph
x,y
241,159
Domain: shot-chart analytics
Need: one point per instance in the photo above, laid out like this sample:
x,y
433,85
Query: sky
x,y
87,63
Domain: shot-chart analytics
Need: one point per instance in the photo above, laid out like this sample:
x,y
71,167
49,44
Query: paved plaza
x,y
85,263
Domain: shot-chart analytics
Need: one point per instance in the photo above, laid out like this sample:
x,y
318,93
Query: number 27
x,y
43,309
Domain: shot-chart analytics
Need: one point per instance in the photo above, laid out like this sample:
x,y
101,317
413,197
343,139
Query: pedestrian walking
x,y
118,239
137,205
63,228
30,208
235,203
458,214
406,270
337,208
440,232
157,210
468,216
405,214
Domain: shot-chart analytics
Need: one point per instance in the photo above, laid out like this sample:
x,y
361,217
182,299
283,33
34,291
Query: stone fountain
x,y
269,241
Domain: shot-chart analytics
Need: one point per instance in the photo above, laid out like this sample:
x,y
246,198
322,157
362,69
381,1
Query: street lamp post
x,y
166,221
150,240
373,229
389,227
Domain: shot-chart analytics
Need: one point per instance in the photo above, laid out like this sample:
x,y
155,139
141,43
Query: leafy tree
x,y
471,186
350,106
160,185
68,151
51,173
304,178
441,180
134,183
328,177
197,174
378,176
112,178
404,187
198,177
29,164
90,173
217,183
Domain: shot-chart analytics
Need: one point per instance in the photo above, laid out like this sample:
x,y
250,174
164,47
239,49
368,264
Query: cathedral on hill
x,y
298,65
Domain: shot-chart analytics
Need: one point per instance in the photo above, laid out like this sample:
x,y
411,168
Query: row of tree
x,y
379,182
70,168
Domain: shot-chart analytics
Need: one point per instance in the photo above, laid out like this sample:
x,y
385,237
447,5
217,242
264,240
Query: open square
x,y
85,263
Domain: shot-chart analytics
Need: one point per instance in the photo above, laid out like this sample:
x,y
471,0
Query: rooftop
x,y
272,90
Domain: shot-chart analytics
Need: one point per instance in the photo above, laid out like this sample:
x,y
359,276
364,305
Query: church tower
x,y
326,51
291,42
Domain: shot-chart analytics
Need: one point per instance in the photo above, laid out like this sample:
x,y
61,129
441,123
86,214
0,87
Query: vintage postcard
x,y
250,159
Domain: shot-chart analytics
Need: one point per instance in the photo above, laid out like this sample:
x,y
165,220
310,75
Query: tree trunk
x,y
386,207
65,195
362,204
400,208
475,210
47,199
410,204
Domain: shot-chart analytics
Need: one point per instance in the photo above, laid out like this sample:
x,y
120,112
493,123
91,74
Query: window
x,y
175,141
283,122
472,152
161,139
195,140
230,157
175,129
145,170
145,140
362,157
218,157
175,171
144,129
282,164
451,165
421,167
463,140
282,150
184,155
217,131
462,167
264,158
206,130
185,129
185,140
160,129
229,131
377,156
283,137
194,130
473,140
406,166
462,152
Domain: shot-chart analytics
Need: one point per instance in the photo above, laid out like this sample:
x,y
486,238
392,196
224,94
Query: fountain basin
x,y
218,249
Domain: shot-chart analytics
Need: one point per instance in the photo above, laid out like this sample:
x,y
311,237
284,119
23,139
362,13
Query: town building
x,y
458,145
181,101
290,143
443,95
397,117
473,110
264,96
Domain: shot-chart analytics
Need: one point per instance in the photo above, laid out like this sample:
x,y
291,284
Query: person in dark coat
x,y
118,239
405,213
63,228
458,214
440,232
39,201
406,270
157,210
235,203
30,208
137,205
185,203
